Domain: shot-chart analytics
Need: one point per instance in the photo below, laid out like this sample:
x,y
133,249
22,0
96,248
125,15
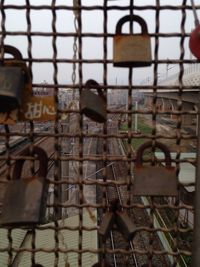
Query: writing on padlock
x,y
154,180
13,76
132,50
92,105
25,199
17,101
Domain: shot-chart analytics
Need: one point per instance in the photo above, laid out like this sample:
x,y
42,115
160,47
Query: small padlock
x,y
13,75
132,50
25,199
125,225
93,105
106,224
154,180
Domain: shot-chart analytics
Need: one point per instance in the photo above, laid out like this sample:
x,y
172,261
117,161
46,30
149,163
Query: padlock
x,y
194,42
125,225
93,105
154,180
132,50
13,76
106,224
25,199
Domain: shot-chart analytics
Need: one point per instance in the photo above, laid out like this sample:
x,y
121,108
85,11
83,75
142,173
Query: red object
x,y
194,42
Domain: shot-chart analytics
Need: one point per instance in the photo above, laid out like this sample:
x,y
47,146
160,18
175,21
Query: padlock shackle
x,y
43,162
131,18
162,147
16,60
8,49
92,84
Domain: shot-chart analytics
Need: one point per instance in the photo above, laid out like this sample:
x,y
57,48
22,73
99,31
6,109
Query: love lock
x,y
125,225
93,105
106,224
194,41
132,50
154,180
116,216
24,201
13,76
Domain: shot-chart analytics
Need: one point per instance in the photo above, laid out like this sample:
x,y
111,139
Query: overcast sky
x,y
93,47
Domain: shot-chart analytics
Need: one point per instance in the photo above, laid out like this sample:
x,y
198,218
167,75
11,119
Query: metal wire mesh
x,y
64,44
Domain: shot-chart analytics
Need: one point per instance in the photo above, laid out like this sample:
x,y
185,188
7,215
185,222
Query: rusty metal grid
x,y
73,65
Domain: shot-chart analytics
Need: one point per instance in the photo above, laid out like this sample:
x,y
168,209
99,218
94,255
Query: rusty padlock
x,y
106,224
125,225
132,50
13,76
93,105
25,199
154,180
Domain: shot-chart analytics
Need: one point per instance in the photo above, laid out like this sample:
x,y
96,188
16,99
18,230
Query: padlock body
x,y
155,181
106,224
194,42
11,85
93,106
125,225
24,202
132,50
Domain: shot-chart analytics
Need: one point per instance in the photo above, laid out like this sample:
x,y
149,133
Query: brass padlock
x,y
132,50
93,105
125,225
13,75
154,180
25,199
106,224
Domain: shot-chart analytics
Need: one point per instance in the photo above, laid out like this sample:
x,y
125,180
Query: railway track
x,y
118,171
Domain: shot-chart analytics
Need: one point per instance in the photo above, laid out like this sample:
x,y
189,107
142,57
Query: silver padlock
x,y
132,50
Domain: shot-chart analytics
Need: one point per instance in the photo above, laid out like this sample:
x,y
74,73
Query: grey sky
x,y
92,47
